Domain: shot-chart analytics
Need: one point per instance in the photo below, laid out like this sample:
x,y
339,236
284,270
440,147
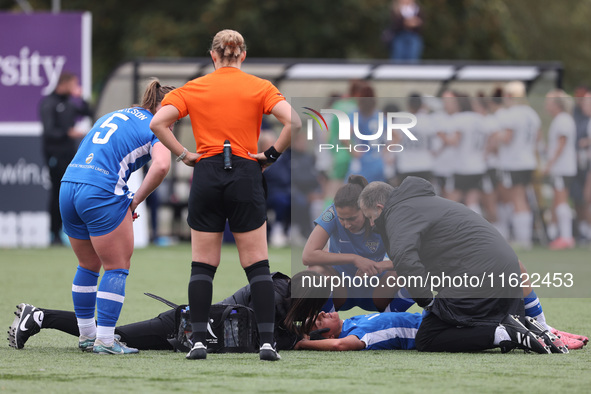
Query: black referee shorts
x,y
237,195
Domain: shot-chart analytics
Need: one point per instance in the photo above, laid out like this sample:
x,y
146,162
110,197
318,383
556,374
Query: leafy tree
x,y
506,30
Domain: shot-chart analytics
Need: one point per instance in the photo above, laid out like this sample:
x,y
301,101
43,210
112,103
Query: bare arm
x,y
155,176
291,123
160,126
314,254
350,342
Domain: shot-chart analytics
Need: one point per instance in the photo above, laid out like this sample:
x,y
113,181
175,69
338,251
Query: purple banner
x,y
34,50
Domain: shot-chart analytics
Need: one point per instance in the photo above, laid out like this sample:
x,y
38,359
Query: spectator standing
x,y
406,24
59,112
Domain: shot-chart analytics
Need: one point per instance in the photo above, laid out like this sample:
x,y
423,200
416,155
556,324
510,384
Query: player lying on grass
x,y
151,334
354,249
397,331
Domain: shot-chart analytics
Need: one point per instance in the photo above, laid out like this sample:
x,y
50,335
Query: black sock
x,y
60,320
200,293
263,299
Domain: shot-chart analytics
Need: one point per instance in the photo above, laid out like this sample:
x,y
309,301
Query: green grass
x,y
50,361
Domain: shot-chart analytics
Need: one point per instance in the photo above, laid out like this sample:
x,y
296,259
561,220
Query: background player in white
x,y
562,165
470,138
521,125
97,208
443,126
491,128
417,158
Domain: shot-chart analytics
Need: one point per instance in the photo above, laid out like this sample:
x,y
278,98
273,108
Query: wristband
x,y
272,155
182,155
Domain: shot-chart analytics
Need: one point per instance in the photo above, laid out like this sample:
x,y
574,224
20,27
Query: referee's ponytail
x,y
154,95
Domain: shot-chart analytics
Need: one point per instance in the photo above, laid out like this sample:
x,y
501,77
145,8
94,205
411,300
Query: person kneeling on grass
x,y
397,331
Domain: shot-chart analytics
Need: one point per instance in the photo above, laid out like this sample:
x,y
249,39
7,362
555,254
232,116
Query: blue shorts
x,y
89,210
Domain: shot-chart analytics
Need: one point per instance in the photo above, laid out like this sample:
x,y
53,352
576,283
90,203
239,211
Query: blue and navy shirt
x,y
384,331
118,144
365,244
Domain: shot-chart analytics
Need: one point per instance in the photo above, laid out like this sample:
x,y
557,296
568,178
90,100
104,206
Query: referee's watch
x,y
182,155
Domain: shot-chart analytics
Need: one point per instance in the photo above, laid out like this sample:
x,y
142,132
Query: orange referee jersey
x,y
227,104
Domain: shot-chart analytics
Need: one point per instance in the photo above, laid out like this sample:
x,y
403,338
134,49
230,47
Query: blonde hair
x,y
515,89
228,44
561,99
154,95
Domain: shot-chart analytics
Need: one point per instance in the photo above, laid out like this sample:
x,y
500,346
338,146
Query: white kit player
x,y
444,152
470,139
417,158
561,166
521,125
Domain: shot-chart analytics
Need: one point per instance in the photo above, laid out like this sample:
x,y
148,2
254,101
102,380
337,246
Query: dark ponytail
x,y
308,296
348,195
154,95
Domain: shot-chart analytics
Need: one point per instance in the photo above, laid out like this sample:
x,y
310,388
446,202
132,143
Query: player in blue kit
x,y
353,250
97,210
377,331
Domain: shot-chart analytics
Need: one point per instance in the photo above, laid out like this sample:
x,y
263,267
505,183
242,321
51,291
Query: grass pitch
x,y
51,362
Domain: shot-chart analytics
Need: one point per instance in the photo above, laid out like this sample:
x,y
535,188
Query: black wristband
x,y
272,155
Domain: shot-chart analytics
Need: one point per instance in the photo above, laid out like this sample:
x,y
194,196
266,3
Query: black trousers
x,y
435,335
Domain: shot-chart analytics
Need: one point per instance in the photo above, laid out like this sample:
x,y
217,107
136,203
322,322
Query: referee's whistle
x,y
227,155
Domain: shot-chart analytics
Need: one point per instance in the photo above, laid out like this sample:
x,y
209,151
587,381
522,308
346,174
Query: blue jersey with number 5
x,y
118,144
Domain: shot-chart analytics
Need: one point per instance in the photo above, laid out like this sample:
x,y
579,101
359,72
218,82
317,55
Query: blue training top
x,y
384,331
365,244
118,144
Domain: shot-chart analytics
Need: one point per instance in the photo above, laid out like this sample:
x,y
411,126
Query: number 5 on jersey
x,y
112,128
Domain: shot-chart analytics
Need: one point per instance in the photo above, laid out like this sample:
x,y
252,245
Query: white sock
x,y
503,230
501,335
504,212
87,327
475,208
552,231
584,229
105,334
564,217
542,320
522,227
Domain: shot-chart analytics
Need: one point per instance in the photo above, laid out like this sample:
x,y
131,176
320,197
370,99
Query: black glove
x,y
316,335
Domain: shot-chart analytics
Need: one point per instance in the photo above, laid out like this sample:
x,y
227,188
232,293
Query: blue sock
x,y
532,304
401,302
84,293
110,297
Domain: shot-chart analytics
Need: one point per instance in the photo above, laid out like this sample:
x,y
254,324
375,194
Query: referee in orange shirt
x,y
227,104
